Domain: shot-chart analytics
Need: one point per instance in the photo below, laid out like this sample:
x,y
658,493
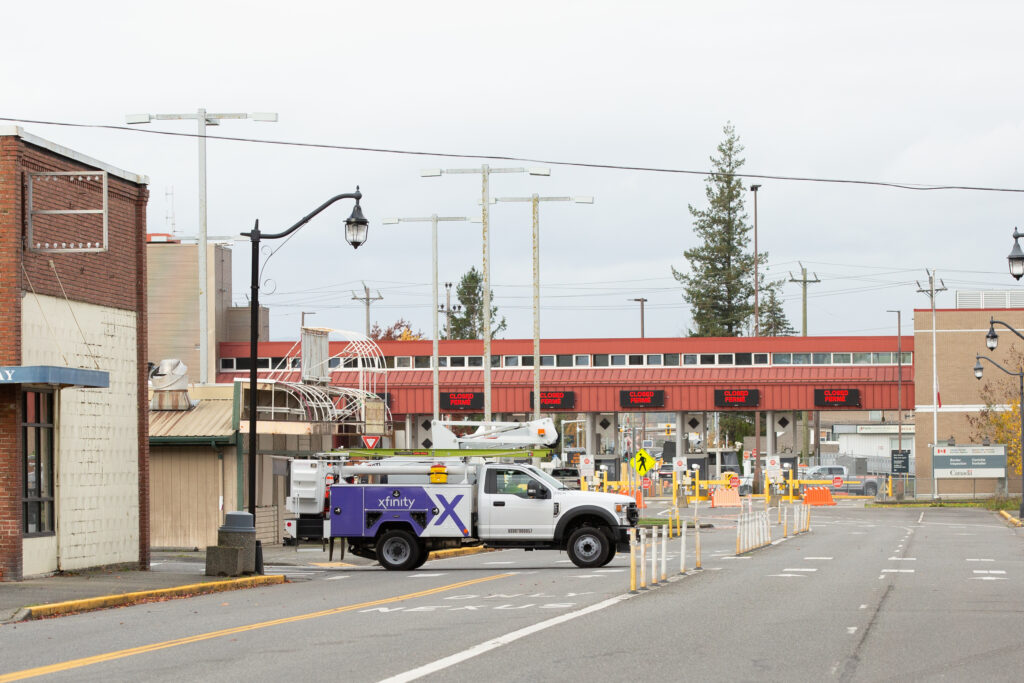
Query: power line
x,y
552,162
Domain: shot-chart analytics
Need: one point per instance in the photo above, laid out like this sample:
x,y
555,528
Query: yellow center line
x,y
153,647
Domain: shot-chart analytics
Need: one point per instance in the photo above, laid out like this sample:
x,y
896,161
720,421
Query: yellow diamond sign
x,y
642,462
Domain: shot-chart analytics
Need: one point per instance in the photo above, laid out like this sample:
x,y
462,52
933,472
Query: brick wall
x,y
114,279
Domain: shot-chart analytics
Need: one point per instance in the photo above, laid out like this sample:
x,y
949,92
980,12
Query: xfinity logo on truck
x,y
392,503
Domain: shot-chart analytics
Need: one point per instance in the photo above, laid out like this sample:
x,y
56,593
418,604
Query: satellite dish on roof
x,y
170,375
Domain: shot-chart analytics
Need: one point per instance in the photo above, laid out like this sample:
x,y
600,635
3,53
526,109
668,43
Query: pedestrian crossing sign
x,y
642,462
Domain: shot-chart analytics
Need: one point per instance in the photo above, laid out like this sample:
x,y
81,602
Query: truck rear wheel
x,y
871,489
588,547
398,550
610,556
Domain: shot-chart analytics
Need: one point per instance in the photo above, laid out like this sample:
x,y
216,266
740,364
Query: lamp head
x,y
978,370
1016,256
755,188
991,338
356,226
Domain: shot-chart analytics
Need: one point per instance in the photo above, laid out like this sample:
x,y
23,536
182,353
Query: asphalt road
x,y
868,595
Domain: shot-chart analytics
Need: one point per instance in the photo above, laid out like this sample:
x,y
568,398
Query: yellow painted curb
x,y
458,552
57,608
1010,518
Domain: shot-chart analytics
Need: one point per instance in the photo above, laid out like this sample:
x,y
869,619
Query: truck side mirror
x,y
535,490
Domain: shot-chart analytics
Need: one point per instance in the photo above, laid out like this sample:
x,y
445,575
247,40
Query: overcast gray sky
x,y
909,92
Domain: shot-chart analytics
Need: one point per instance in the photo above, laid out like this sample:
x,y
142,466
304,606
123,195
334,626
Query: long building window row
x,y
596,360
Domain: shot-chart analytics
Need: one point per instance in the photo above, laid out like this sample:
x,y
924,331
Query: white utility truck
x,y
402,509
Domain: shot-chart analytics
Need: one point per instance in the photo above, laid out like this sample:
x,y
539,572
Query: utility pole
x,y
448,309
367,299
931,291
899,379
642,302
804,281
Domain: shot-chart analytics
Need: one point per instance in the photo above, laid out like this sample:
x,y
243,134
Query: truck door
x,y
507,512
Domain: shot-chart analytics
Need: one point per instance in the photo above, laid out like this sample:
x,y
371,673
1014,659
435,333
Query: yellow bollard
x,y
889,485
604,483
675,491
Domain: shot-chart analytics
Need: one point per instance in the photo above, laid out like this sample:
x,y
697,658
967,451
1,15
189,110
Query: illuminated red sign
x,y
462,400
642,398
556,400
737,398
832,398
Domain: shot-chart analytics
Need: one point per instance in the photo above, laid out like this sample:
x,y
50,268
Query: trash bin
x,y
239,531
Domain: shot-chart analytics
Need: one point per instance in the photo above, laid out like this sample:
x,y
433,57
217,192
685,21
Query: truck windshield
x,y
547,478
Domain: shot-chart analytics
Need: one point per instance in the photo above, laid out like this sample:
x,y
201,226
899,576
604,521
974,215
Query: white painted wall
x,y
97,493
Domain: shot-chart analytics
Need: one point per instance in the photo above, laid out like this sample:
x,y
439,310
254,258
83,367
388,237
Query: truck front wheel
x,y
588,547
398,550
871,489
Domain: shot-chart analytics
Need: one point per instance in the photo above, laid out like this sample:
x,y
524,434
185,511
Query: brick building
x,y
74,489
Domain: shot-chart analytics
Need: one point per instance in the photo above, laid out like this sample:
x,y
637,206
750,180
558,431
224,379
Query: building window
x,y
821,358
478,362
37,463
725,359
863,358
457,362
600,360
782,359
841,359
908,358
760,359
262,363
743,358
279,363
442,361
547,361
618,359
403,361
654,359
882,358
707,359
636,359
582,361
689,359
801,359
563,360
227,364
527,361
671,359
421,362
511,361
296,361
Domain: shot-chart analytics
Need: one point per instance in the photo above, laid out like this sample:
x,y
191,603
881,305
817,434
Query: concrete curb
x,y
104,601
458,552
1010,518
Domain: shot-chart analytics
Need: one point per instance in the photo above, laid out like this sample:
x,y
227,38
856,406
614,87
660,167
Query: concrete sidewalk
x,y
172,574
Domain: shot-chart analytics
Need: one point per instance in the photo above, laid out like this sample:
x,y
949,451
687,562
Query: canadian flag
x,y
938,396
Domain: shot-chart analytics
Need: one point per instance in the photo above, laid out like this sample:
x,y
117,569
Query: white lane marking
x,y
800,569
902,559
423,576
487,646
863,607
921,517
851,630
897,571
499,562
980,559
562,561
309,550
988,578
335,578
794,576
817,558
989,571
734,557
608,571
587,576
855,533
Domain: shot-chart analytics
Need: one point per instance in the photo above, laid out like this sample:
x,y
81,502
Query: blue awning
x,y
57,376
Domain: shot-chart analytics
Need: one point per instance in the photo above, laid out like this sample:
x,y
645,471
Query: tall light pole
x,y
448,309
642,301
978,371
355,234
204,119
535,201
757,333
485,172
433,219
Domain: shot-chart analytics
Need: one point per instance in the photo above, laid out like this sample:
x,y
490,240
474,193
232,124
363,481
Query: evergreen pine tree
x,y
467,323
774,322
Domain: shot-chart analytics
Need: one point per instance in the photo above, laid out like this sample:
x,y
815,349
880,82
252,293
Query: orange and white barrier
x,y
725,497
818,495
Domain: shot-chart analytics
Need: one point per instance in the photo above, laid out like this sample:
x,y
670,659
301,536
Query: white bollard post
x,y
682,549
654,555
664,553
643,558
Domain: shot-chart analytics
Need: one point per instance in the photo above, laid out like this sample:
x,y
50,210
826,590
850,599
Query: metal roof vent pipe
x,y
169,383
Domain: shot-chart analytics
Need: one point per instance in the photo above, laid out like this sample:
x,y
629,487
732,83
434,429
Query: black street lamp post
x,y
355,234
